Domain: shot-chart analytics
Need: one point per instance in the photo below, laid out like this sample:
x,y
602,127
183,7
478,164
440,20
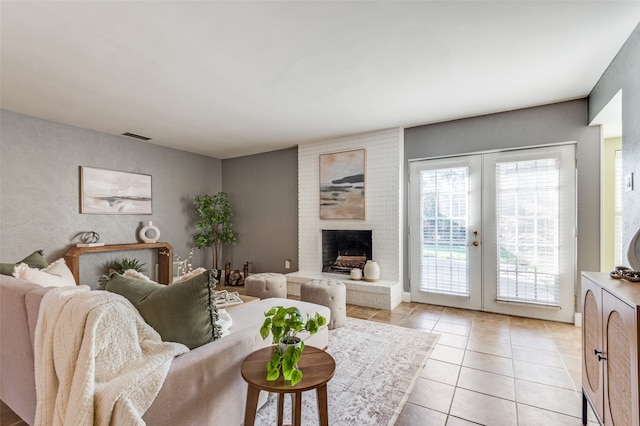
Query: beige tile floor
x,y
490,369
486,369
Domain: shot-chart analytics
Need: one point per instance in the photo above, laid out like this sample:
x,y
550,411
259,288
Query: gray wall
x,y
528,127
263,190
39,191
624,74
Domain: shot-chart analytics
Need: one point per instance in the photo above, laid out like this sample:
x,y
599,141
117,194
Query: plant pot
x,y
289,361
282,346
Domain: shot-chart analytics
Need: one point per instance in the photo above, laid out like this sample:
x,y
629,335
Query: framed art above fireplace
x,y
342,185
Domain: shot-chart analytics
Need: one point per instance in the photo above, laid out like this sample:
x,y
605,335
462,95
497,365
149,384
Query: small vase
x,y
371,271
149,233
356,274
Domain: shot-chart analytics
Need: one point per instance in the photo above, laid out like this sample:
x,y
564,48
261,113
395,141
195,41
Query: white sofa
x,y
203,386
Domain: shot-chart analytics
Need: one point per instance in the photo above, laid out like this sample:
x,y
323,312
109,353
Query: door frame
x,y
564,314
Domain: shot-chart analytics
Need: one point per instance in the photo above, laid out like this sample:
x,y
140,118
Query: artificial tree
x,y
214,227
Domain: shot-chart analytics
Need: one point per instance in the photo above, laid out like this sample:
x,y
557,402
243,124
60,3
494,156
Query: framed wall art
x,y
342,185
113,192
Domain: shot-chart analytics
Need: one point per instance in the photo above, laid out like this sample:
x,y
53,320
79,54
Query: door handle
x,y
599,354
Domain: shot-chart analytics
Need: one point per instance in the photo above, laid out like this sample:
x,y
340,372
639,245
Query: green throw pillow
x,y
34,260
7,268
183,312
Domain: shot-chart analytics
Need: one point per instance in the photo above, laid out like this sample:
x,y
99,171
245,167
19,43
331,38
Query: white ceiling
x,y
226,79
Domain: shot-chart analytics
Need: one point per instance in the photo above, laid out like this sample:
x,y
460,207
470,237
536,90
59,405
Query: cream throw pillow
x,y
190,275
132,273
57,274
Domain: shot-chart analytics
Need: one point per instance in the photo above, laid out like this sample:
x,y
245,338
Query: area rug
x,y
376,368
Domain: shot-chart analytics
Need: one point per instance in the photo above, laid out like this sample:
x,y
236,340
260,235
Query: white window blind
x,y
527,209
444,207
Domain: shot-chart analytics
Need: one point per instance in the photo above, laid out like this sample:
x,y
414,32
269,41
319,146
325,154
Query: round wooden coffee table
x,y
317,368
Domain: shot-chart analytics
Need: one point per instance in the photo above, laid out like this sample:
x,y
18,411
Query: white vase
x,y
633,251
149,233
356,274
371,271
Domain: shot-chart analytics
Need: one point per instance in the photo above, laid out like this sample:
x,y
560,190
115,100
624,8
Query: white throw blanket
x,y
96,360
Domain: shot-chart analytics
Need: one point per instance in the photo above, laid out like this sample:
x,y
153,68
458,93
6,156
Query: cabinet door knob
x,y
599,354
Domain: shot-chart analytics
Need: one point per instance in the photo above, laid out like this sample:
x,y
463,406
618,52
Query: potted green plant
x,y
214,227
120,266
284,324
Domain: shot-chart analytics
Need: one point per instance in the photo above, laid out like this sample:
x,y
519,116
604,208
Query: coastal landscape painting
x,y
113,192
342,185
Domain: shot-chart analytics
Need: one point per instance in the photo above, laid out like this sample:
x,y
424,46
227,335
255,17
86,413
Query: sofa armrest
x,y
17,382
205,383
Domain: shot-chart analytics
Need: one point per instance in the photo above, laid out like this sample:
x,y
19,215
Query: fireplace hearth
x,y
343,250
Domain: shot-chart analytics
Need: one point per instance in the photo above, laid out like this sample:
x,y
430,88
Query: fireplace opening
x,y
343,250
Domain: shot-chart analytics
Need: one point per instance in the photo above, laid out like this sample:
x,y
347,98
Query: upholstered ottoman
x,y
329,293
265,285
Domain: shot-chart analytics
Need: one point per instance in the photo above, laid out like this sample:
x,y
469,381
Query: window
x,y
444,203
527,216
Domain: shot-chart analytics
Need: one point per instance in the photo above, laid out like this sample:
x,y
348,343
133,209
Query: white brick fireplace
x,y
383,216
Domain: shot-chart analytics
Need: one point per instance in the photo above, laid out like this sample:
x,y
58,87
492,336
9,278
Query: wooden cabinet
x,y
592,371
610,348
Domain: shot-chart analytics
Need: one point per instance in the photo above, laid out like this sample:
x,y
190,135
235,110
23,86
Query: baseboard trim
x,y
406,296
577,319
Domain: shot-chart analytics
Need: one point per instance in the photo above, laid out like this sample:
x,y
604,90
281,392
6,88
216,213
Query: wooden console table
x,y
165,257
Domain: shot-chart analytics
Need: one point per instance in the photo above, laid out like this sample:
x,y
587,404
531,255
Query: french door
x,y
446,200
495,232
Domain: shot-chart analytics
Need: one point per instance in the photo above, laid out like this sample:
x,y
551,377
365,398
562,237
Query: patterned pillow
x,y
182,312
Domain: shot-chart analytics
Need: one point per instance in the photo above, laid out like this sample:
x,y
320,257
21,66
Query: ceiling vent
x,y
133,135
